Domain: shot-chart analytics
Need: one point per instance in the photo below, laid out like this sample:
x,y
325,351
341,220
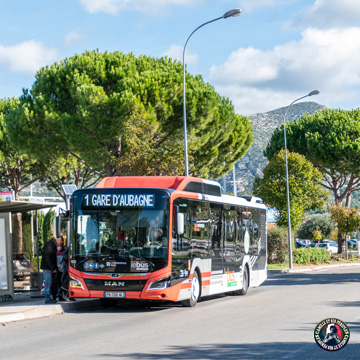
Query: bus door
x,y
230,233
247,230
216,242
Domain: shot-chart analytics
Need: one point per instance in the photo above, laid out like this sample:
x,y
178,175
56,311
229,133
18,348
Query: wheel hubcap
x,y
195,288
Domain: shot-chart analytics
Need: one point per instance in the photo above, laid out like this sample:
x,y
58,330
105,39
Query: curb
x,y
320,267
35,312
26,312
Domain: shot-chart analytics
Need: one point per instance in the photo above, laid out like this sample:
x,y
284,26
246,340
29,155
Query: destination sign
x,y
119,200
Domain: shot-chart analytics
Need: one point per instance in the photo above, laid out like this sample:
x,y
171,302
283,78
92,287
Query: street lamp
x,y
234,178
314,92
231,13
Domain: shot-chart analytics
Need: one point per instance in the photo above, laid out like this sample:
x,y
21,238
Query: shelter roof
x,y
23,206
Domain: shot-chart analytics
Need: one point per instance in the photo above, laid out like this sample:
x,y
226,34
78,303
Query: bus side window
x,y
240,236
216,227
201,226
180,243
256,223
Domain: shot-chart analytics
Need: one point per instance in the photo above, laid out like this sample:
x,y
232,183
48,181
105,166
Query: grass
x,y
335,259
277,266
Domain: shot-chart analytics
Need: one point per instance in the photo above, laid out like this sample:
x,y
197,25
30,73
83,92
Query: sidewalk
x,y
24,307
297,269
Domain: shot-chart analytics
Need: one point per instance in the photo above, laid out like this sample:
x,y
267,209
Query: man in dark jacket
x,y
49,266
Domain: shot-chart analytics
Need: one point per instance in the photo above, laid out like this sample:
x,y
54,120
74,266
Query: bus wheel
x,y
195,292
245,286
108,303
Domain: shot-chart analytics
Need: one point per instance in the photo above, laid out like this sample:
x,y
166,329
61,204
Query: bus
x,y
169,238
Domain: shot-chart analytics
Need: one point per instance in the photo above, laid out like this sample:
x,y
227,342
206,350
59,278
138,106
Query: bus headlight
x,y
160,284
75,283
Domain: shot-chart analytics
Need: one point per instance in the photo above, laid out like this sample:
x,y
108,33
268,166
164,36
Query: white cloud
x,y
27,57
330,13
73,37
115,6
258,81
251,5
176,53
236,69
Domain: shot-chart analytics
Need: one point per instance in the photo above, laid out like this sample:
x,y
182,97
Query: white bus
x,y
169,238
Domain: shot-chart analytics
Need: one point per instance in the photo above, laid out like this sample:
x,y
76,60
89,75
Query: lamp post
x,y
314,92
234,179
231,13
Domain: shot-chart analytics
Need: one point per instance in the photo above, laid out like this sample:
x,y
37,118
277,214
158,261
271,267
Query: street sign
x,y
6,196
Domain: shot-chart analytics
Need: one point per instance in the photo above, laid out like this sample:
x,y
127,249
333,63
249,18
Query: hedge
x,y
309,256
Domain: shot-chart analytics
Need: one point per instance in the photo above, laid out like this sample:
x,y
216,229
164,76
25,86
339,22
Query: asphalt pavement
x,y
30,305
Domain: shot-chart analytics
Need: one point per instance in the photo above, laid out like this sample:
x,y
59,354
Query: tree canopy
x,y
17,169
67,170
15,165
330,139
347,219
304,187
316,222
119,114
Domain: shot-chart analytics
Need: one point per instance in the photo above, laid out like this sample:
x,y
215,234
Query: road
x,y
275,321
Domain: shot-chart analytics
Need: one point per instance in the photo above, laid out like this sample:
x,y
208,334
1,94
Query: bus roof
x,y
156,182
202,187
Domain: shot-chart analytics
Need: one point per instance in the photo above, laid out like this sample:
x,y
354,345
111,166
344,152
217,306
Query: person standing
x,y
64,288
56,280
49,267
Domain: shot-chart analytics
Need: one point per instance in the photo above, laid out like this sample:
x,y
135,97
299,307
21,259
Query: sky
x,y
273,53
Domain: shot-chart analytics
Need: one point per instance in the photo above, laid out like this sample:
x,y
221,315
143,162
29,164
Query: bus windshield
x,y
119,230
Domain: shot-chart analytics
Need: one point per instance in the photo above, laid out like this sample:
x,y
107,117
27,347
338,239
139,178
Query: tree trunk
x,y
348,200
340,242
17,237
336,193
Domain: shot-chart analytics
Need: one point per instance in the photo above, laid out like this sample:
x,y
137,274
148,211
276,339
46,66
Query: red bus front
x,y
120,244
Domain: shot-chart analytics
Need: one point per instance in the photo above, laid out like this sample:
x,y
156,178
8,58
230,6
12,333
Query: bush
x,y
277,245
310,256
320,222
319,255
46,229
34,263
27,240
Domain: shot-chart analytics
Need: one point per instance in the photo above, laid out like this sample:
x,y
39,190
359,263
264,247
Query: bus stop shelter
x,y
6,248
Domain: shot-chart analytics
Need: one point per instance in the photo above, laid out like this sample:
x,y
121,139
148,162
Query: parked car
x,y
299,244
305,241
327,241
313,245
352,243
21,266
330,247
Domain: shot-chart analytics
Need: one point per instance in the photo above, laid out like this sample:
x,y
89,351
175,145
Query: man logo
x,y
114,283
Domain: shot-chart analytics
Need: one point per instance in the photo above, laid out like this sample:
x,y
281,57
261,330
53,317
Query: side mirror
x,y
180,224
65,216
56,225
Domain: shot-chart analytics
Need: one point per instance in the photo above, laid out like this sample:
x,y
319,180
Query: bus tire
x,y
108,303
195,292
245,286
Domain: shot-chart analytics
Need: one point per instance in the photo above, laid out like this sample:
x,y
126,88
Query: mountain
x,y
263,126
